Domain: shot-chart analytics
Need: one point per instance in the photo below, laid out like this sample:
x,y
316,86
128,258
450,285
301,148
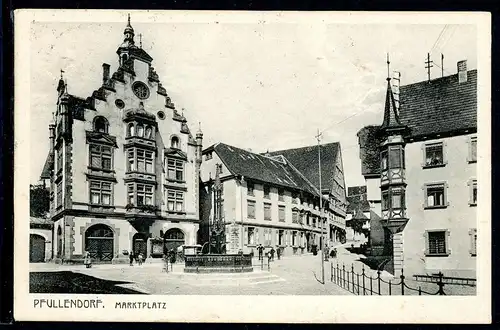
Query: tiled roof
x,y
49,164
357,203
40,221
305,160
442,105
369,141
261,168
356,190
360,215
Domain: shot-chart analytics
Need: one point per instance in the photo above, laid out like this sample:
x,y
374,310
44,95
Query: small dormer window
x,y
174,142
101,125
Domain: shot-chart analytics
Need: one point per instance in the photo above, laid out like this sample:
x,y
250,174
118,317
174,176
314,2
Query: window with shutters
x,y
251,209
473,242
175,200
437,243
473,149
435,195
100,157
175,170
433,155
281,213
267,211
100,192
251,235
473,193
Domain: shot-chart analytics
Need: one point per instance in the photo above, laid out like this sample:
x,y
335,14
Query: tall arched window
x,y
148,133
140,130
131,129
101,124
174,142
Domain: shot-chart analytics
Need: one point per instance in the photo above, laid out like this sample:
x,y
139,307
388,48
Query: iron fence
x,y
363,284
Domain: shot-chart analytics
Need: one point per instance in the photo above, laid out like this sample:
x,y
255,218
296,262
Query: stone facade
x,y
123,166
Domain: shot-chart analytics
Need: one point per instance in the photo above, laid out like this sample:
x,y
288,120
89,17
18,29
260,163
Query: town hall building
x,y
123,166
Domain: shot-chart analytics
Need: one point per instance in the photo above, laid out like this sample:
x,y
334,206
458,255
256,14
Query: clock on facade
x,y
140,90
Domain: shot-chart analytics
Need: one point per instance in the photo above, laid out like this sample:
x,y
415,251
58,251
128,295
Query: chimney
x,y
462,71
105,72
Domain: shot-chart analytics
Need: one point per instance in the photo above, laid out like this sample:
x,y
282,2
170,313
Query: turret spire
x,y
129,32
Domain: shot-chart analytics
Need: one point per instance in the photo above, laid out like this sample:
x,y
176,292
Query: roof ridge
x,y
304,147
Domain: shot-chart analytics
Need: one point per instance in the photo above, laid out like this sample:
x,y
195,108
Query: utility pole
x,y
428,66
318,137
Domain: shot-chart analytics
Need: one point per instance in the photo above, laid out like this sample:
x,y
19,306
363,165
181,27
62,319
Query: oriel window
x,y
144,194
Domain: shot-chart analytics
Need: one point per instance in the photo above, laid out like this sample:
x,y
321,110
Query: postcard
x,y
292,167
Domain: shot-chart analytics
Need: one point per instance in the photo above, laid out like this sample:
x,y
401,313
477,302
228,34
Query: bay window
x,y
139,194
140,160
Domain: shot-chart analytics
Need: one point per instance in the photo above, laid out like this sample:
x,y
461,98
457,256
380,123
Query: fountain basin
x,y
218,263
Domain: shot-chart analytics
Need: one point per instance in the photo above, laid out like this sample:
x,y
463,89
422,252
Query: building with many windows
x,y
274,199
123,166
421,164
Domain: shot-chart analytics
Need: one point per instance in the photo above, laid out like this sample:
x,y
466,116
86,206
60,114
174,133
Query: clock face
x,y
140,90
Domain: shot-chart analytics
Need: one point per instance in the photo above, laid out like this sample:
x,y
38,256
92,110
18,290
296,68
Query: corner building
x,y
421,164
123,166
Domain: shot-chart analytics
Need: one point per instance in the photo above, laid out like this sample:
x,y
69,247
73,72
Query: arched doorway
x,y
140,245
59,241
99,242
173,238
37,248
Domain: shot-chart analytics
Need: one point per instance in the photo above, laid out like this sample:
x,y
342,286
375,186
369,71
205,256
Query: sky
x,y
255,85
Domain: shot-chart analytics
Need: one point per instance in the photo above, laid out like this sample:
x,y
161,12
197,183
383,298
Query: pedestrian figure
x,y
139,258
272,253
333,253
260,248
87,261
131,258
278,252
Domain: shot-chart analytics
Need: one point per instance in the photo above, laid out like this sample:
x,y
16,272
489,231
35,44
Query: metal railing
x,y
363,284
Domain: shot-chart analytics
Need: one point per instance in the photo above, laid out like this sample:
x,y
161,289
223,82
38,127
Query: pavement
x,y
292,275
